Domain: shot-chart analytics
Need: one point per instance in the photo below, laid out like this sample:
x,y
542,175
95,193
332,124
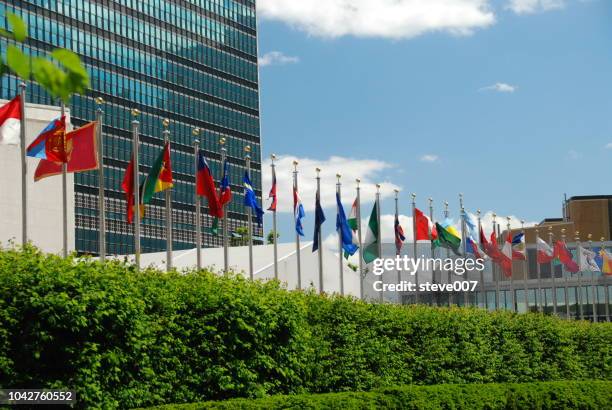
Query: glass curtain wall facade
x,y
191,61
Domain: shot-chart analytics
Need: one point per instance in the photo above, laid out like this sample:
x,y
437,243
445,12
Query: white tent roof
x,y
263,262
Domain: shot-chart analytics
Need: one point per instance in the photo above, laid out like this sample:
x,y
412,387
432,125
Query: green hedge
x,y
133,339
536,396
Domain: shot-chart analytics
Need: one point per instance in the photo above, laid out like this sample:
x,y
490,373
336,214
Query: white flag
x,y
587,260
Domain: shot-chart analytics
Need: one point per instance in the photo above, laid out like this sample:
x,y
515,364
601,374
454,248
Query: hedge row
x,y
134,339
529,396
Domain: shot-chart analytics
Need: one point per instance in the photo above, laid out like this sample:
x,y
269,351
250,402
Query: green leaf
x,y
18,62
70,61
49,76
20,30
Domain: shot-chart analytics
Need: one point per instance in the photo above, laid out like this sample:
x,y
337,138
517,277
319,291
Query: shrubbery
x,y
122,338
536,396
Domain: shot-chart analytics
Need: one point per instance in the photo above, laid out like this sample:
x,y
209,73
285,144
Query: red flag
x,y
545,252
565,257
128,187
82,153
422,226
205,186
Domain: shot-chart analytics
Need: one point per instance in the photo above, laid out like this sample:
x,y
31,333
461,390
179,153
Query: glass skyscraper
x,y
191,61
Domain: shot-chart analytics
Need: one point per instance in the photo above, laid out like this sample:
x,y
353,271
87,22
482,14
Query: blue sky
x,y
507,101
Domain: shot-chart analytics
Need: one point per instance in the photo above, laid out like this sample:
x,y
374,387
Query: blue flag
x,y
298,212
469,223
344,229
250,199
319,219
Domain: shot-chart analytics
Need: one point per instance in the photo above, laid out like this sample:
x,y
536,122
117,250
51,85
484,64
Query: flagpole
x,y
450,294
539,301
552,272
247,159
414,249
340,266
320,237
463,216
496,270
297,235
358,215
593,288
379,244
275,235
499,271
24,169
198,216
433,249
397,250
64,191
224,220
101,210
567,308
482,281
525,267
606,296
168,195
136,207
512,290
579,257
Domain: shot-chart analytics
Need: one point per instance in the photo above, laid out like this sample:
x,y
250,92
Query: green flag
x,y
447,239
370,246
214,229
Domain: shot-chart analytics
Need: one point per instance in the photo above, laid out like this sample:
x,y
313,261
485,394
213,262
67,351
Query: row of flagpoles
x,y
61,152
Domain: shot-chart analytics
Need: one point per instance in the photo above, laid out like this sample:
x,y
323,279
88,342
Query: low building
x,y
44,198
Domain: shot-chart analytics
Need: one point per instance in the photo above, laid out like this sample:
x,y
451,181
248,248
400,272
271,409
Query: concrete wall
x,y
44,197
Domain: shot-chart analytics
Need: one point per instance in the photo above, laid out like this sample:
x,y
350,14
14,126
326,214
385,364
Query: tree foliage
x,y
126,339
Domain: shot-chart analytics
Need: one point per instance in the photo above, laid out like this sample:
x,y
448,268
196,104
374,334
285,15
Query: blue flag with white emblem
x,y
344,230
250,199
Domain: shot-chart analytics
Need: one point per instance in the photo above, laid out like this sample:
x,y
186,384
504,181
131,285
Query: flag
x,y
214,229
10,122
128,187
506,256
344,230
564,256
423,226
160,176
370,246
545,252
399,234
298,212
83,155
205,186
448,238
225,195
587,260
353,223
473,248
250,199
50,143
319,219
469,223
272,193
519,248
604,260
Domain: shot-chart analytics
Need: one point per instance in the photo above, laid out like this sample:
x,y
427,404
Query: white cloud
x,y
429,158
277,58
609,145
500,88
395,19
534,6
368,170
574,155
